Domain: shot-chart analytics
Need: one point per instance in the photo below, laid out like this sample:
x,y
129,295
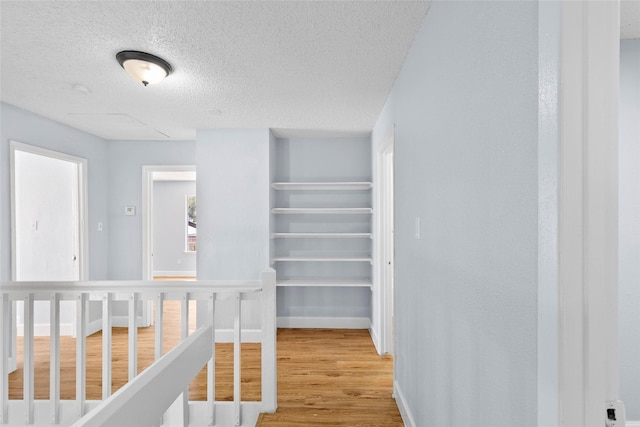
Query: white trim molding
x,y
324,322
185,273
403,407
549,18
588,211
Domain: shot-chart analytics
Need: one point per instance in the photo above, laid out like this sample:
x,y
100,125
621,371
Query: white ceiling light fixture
x,y
144,67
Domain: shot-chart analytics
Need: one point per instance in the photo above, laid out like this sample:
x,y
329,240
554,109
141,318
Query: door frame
x,y
147,212
386,258
147,224
82,226
583,285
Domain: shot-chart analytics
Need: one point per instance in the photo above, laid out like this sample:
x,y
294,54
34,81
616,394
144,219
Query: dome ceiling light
x,y
144,67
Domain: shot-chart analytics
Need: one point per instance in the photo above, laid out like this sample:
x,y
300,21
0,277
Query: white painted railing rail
x,y
139,402
29,411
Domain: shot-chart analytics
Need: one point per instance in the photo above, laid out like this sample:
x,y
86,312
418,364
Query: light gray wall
x,y
169,206
126,159
233,209
629,223
23,126
233,203
465,113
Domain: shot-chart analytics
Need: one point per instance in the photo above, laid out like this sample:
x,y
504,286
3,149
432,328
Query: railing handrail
x,y
143,400
234,292
131,286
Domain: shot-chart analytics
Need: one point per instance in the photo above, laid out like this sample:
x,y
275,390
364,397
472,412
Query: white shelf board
x,y
356,283
331,186
322,259
327,211
322,235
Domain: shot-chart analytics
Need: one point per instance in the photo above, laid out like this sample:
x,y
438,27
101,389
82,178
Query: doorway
x,y
168,227
48,223
172,186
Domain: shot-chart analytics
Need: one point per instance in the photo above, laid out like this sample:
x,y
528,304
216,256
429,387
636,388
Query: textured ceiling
x,y
325,66
322,67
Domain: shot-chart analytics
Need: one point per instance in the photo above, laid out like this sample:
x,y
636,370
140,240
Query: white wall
x,y
629,223
465,109
169,206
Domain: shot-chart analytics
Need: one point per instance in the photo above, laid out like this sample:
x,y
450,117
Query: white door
x,y
46,225
388,260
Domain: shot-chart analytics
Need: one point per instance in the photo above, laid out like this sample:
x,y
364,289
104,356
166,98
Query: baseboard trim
x,y
43,329
633,423
376,340
401,401
94,327
184,273
324,322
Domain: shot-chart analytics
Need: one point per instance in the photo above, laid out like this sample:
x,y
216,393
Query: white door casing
x,y
63,254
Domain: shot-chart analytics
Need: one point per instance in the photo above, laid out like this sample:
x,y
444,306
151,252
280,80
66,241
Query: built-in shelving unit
x,y
325,225
323,258
322,211
321,235
325,283
322,186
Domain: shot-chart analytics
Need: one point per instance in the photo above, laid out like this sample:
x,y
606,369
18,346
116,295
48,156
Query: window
x,y
191,223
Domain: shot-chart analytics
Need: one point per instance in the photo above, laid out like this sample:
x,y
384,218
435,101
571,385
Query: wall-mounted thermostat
x,y
129,210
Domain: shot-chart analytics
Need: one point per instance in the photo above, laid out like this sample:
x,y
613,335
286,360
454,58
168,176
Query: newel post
x,y
269,360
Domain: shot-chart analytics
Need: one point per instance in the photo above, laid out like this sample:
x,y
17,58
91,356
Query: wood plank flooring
x,y
332,378
325,377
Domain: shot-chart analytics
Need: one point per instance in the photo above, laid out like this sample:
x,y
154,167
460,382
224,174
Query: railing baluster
x,y
236,360
158,325
4,359
54,357
107,342
81,352
108,294
28,359
159,331
133,336
184,317
211,366
184,333
269,330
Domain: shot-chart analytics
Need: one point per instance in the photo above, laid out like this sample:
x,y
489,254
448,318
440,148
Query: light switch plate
x,y
615,415
130,210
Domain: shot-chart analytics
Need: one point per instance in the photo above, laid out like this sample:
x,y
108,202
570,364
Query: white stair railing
x,y
62,412
141,401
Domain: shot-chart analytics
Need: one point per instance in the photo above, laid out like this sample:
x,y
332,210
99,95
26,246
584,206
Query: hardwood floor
x,y
325,377
332,378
